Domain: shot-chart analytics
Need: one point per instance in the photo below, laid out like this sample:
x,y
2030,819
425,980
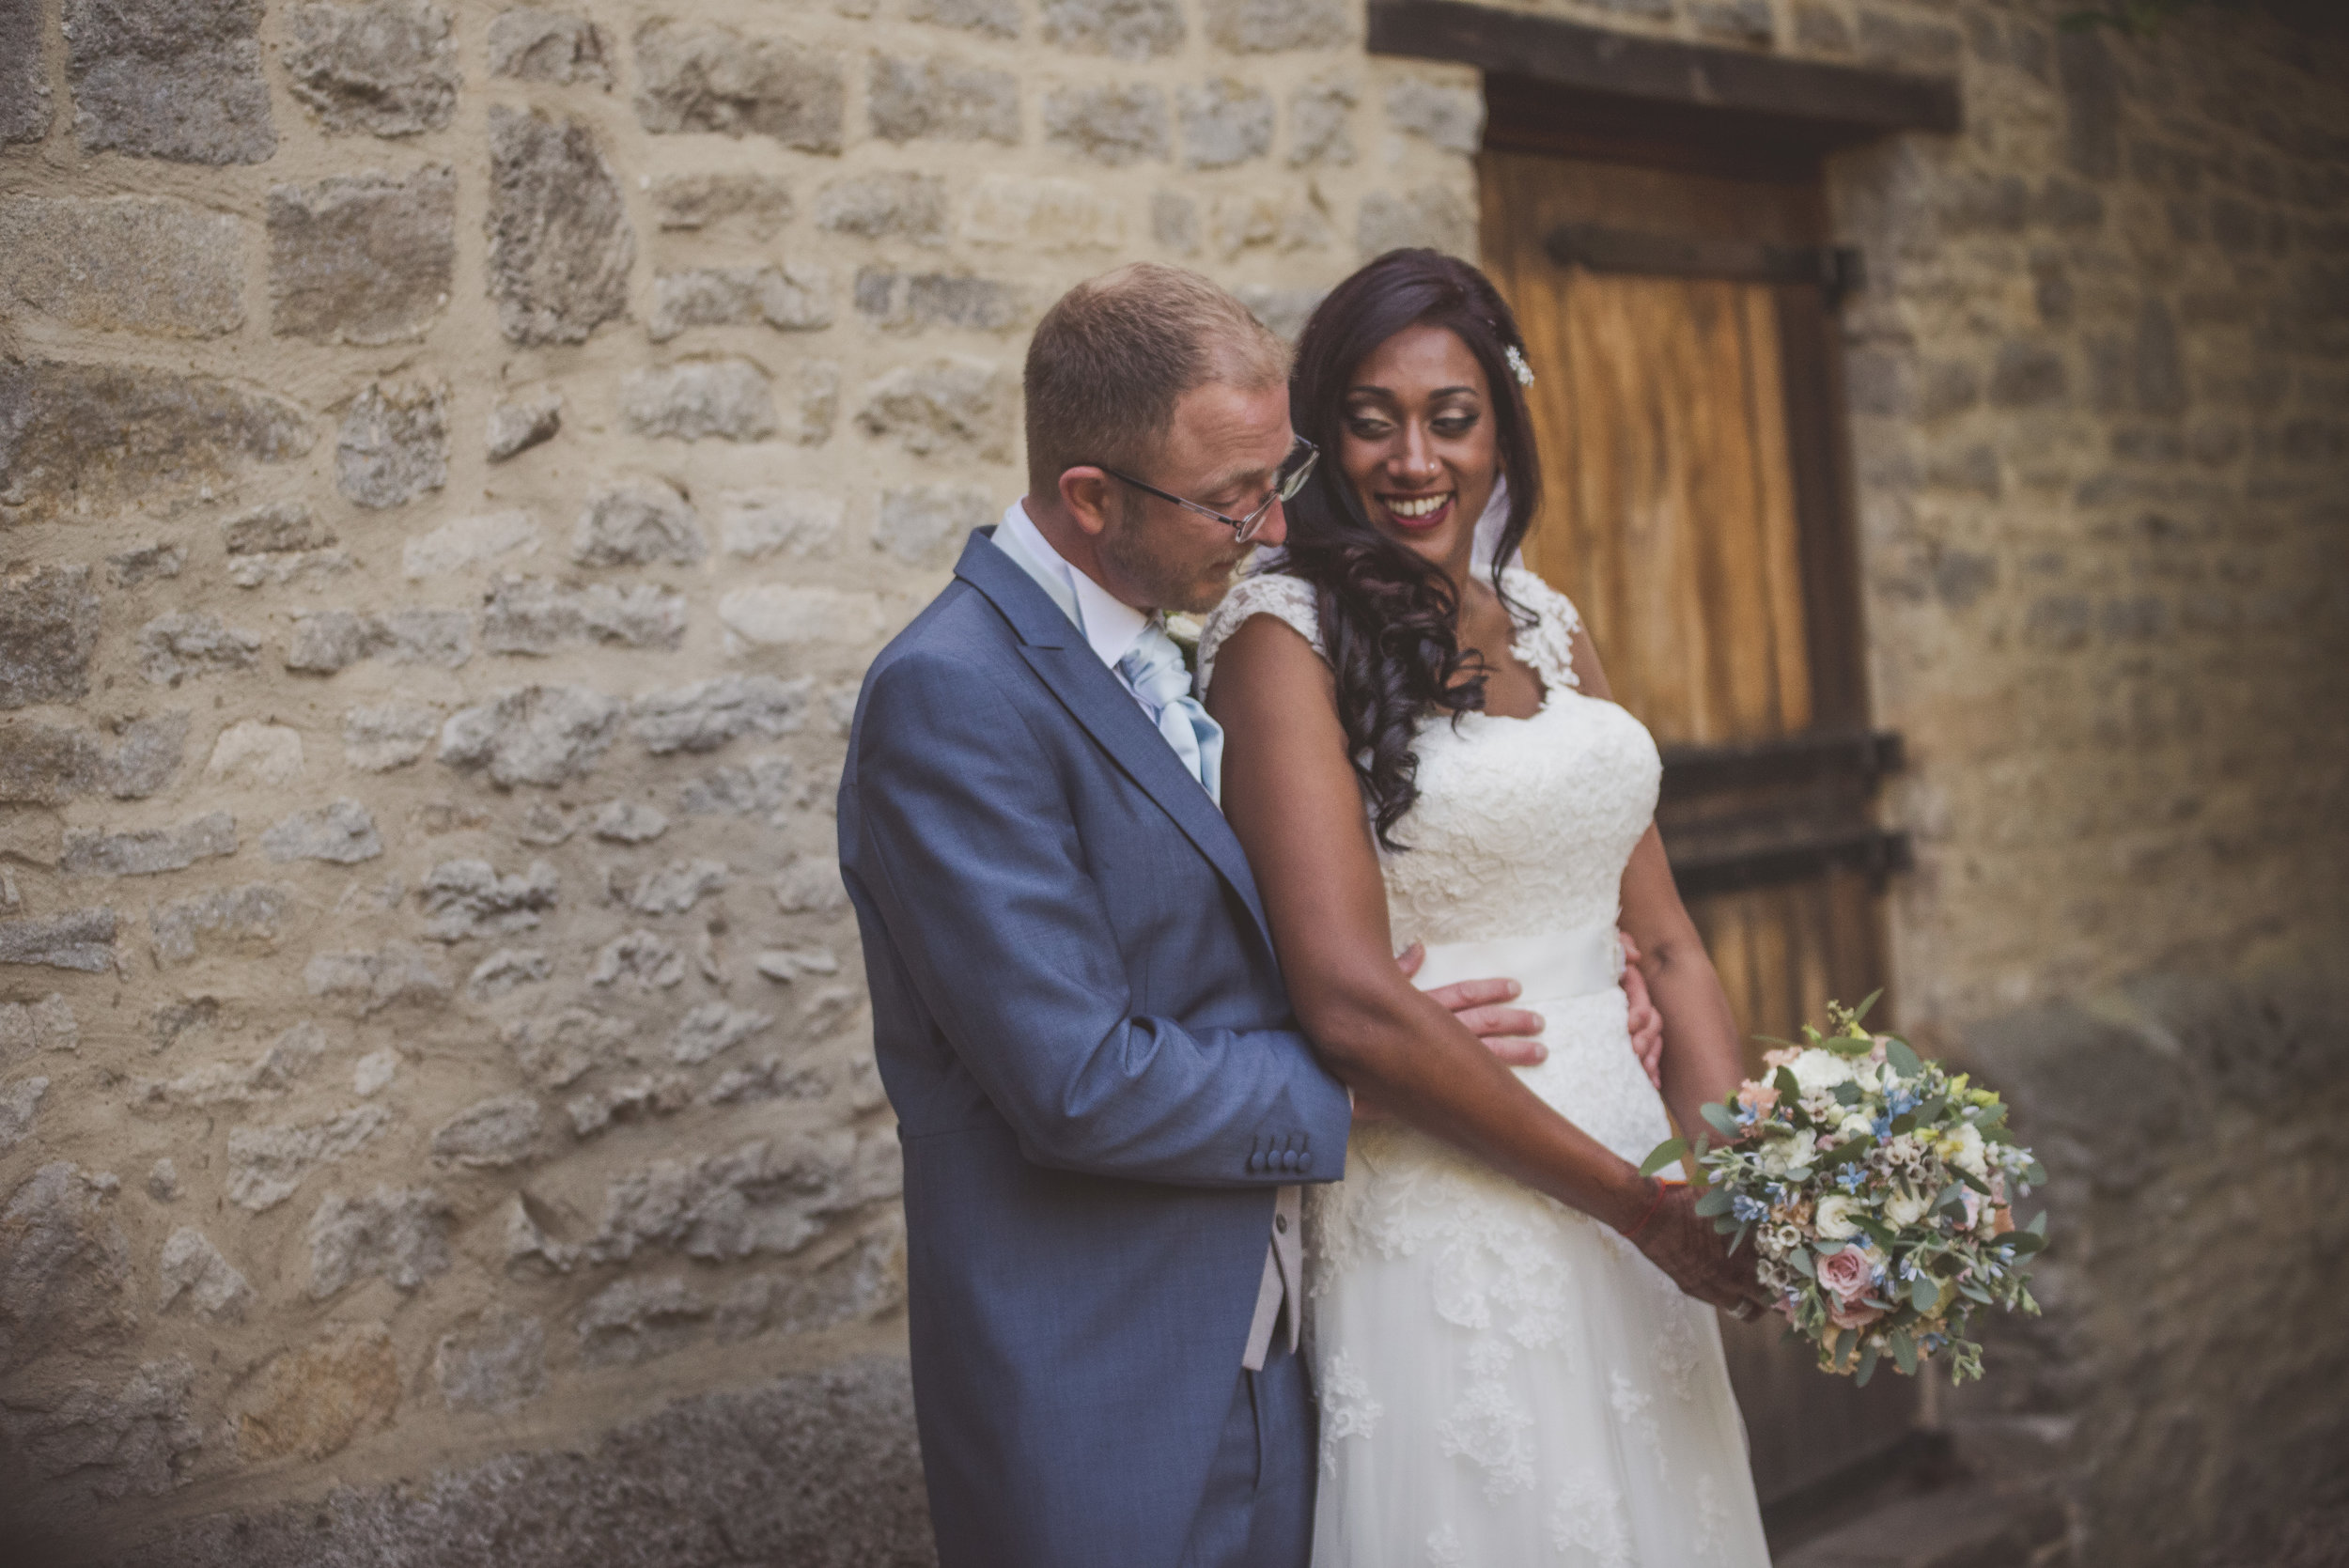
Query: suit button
x,y
1305,1161
1281,1223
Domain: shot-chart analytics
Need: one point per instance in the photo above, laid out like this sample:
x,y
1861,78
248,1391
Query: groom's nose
x,y
1275,528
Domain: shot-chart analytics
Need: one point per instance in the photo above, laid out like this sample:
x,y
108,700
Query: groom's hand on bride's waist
x,y
1511,1034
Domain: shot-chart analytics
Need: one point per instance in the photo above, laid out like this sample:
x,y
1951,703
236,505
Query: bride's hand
x,y
1511,1034
1683,1243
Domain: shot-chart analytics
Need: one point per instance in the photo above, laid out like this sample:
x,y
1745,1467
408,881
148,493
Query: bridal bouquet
x,y
1875,1187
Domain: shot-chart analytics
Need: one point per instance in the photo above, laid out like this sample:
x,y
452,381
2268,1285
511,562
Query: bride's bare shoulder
x,y
1271,596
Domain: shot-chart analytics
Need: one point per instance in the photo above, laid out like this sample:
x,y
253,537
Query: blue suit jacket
x,y
1097,1078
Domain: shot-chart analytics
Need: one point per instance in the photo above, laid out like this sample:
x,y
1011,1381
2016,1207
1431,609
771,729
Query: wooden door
x,y
1685,396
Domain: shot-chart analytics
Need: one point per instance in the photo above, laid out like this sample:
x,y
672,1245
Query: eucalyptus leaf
x,y
1845,1152
1847,1094
2025,1242
1904,1062
1862,1011
2038,1225
1923,1293
1800,1260
1740,1238
1719,1118
1948,1196
1664,1153
1788,1088
1904,1351
2037,1174
1715,1202
1867,1367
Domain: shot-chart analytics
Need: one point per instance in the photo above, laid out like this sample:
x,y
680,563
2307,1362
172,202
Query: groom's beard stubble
x,y
1191,587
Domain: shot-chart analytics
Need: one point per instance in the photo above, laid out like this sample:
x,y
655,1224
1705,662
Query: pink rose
x,y
1847,1316
1783,1057
1758,1097
1846,1276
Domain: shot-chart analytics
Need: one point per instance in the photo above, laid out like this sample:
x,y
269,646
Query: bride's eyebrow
x,y
1389,396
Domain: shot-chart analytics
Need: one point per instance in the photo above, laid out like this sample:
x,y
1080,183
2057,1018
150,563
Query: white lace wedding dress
x,y
1504,1382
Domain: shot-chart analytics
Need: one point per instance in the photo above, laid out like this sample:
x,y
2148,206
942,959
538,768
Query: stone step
x,y
1966,1525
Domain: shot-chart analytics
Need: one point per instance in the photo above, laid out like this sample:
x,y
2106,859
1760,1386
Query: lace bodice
x,y
1522,824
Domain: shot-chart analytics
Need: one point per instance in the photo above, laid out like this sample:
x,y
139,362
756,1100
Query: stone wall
x,y
455,461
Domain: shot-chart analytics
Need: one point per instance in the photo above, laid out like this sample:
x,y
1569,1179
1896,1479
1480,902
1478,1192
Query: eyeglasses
x,y
1287,480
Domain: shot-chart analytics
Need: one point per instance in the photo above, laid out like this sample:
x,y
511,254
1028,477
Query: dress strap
x,y
1289,600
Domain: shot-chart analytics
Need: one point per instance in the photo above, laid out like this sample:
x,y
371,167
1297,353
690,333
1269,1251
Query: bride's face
x,y
1417,443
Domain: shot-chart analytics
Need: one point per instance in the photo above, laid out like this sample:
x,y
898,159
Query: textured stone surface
x,y
755,204
398,974
516,428
904,302
536,735
941,405
466,542
175,79
1224,122
492,1134
1124,29
99,435
705,715
995,17
534,615
1320,130
755,523
267,1164
380,737
1452,117
125,264
81,939
637,522
97,1442
874,207
397,1235
314,1401
94,852
1112,125
64,1263
325,641
728,399
20,1103
499,1364
246,918
548,46
26,107
791,298
560,242
711,78
1047,215
1431,215
193,1272
365,258
919,523
48,631
394,444
1258,26
913,99
388,67
188,642
341,832
251,751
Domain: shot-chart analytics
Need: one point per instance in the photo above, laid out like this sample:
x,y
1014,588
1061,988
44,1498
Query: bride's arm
x,y
1292,799
1702,1060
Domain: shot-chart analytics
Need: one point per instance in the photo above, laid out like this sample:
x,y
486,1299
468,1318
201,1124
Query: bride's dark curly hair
x,y
1388,617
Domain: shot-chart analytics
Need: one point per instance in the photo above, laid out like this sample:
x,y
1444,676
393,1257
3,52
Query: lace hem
x,y
1547,647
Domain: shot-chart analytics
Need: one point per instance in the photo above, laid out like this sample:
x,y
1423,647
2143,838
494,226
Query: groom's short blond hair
x,y
1111,358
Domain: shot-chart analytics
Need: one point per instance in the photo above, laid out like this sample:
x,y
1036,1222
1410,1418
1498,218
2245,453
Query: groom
x,y
1103,1097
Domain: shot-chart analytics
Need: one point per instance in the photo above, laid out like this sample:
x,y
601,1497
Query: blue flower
x,y
1851,1178
1883,1127
1748,1209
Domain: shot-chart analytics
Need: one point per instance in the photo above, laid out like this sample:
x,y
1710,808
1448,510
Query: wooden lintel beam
x,y
1840,102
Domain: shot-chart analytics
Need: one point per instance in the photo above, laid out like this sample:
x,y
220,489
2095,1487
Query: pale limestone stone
x,y
636,1320
381,737
492,1134
995,17
533,45
341,832
1111,124
398,1234
1123,29
810,885
706,714
537,735
464,899
639,961
560,242
756,523
712,1028
266,1165
188,642
94,852
1452,117
19,1101
878,206
398,974
1224,122
912,98
374,1072
632,1100
728,399
636,522
669,889
192,1268
125,264
629,822
704,77
30,1027
365,258
266,1077
286,525
499,1365
255,754
788,297
1321,116
760,787
1048,215
134,568
940,405
756,205
917,524
517,427
77,940
48,632
388,67
1430,215
775,613
247,919
910,302
534,615
394,444
174,78
1261,26
467,542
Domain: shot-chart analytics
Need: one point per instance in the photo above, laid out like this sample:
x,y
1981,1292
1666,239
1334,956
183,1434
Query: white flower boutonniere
x,y
1185,630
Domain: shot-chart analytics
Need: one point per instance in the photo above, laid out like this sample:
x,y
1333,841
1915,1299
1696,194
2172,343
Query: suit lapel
x,y
1057,652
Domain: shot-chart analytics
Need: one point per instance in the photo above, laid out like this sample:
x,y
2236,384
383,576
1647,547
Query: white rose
x,y
1905,1208
1964,1149
1833,1218
1853,1125
1781,1155
1818,1070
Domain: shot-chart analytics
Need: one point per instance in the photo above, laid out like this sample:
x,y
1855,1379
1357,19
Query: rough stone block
x,y
729,400
28,1028
1321,117
995,18
394,445
1224,122
266,1165
904,302
104,435
395,975
714,1028
145,755
174,78
466,542
627,822
46,765
188,642
399,1234
25,108
247,919
363,260
192,1268
517,427
914,100
1264,26
1285,311
705,715
771,613
64,1263
1735,21
547,46
95,852
670,890
48,631
818,403
711,78
466,899
20,1102
760,788
1175,221
96,1443
536,735
268,530
1241,222
500,1364
758,205
2029,376
125,264
78,940
789,298
266,1077
536,615
378,739
388,67
636,1320
1452,117
1109,124
635,522
341,832
881,205
759,1198
560,242
638,961
311,1402
134,568
759,522
914,523
1042,215
491,1135
252,753
1122,30
326,641
941,405
1431,215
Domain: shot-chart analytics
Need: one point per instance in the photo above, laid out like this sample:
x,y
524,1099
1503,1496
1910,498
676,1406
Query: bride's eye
x,y
1453,425
1362,426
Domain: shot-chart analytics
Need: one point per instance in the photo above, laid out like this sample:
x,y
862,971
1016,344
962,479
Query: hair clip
x,y
1517,367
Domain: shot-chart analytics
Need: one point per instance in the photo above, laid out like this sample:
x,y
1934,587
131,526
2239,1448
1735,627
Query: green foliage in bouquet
x,y
1874,1186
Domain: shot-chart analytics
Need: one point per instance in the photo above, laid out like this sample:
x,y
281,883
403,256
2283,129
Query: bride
x,y
1421,750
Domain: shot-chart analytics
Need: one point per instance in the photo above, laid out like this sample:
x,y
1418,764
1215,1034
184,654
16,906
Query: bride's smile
x,y
1416,442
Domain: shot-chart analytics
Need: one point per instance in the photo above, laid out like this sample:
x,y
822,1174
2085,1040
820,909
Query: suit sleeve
x,y
969,851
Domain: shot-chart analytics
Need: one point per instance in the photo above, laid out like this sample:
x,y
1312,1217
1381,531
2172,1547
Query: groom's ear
x,y
1086,492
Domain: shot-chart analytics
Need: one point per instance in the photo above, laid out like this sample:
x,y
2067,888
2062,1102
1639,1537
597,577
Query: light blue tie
x,y
1153,668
